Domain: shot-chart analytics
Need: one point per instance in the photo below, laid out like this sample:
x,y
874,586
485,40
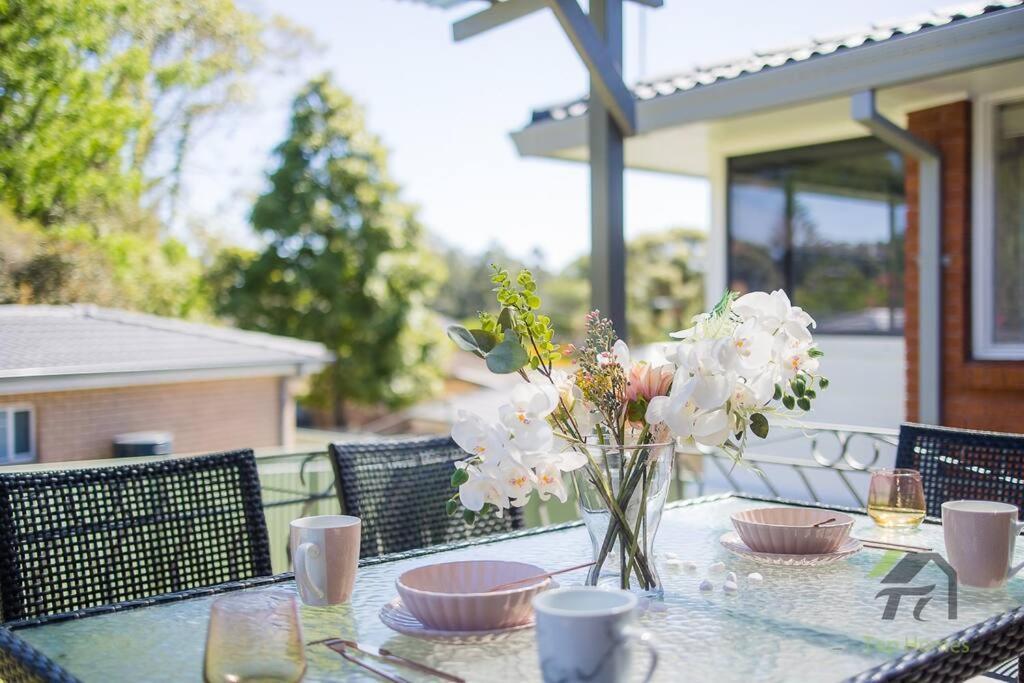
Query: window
x,y
825,223
17,434
998,224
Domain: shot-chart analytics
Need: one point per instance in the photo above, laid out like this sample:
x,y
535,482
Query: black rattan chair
x,y
958,464
399,488
22,663
79,538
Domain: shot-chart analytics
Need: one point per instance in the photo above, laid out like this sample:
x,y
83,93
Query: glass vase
x,y
622,491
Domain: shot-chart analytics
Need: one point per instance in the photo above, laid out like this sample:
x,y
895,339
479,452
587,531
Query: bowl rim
x,y
842,519
508,591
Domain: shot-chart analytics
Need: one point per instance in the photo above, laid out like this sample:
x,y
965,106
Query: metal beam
x,y
496,15
929,257
602,61
607,165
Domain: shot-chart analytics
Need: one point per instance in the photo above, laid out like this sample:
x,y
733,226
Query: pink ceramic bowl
x,y
454,596
790,530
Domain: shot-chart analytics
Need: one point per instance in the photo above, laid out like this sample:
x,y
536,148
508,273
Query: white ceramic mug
x,y
980,538
325,551
583,634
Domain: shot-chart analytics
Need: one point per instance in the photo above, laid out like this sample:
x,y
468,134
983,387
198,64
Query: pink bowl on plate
x,y
454,596
790,531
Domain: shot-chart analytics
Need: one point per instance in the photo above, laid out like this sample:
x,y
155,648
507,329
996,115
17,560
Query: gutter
x,y
959,46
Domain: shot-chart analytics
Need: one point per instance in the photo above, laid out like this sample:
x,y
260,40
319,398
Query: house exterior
x,y
877,176
72,378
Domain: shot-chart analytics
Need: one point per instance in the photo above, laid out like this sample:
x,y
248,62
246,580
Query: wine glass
x,y
254,636
896,499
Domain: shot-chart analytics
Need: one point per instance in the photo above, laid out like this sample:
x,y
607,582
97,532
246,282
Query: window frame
x,y
8,409
983,344
781,156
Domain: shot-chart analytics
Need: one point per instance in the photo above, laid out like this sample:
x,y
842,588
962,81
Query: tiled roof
x,y
37,341
760,61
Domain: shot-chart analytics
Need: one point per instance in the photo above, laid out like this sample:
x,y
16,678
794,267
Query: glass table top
x,y
799,623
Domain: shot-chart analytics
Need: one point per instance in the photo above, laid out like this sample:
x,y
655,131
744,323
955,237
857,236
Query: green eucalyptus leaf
x,y
485,341
759,425
804,403
464,339
505,321
788,401
507,357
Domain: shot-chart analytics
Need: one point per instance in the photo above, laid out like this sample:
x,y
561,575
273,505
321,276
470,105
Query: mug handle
x,y
1017,528
302,576
647,640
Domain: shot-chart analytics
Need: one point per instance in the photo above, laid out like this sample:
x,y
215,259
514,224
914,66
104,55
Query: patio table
x,y
822,623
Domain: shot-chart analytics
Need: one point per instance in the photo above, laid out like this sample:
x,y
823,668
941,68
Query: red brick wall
x,y
975,394
202,416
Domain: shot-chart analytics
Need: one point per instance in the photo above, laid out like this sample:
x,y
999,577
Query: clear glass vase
x,y
622,491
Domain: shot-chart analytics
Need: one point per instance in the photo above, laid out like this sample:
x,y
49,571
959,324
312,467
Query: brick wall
x,y
975,394
202,416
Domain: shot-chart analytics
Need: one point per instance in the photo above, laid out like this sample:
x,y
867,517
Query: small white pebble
x,y
755,577
706,586
674,564
731,576
716,568
690,566
671,556
730,587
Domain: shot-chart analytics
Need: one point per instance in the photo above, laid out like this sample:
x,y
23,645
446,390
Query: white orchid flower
x,y
749,349
477,437
793,356
526,416
677,410
550,483
774,312
516,482
619,355
482,487
711,428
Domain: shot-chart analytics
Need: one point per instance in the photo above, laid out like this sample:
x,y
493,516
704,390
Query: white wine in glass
x,y
254,637
896,499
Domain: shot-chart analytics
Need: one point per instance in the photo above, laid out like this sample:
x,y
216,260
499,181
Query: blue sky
x,y
445,111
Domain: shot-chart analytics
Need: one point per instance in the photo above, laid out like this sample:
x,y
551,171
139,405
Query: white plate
x,y
396,616
734,544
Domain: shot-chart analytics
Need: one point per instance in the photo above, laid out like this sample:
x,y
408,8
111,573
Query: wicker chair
x,y
74,539
960,464
957,464
399,488
22,663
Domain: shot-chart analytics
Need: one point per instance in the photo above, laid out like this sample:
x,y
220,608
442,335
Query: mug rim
x,y
325,522
1000,508
897,472
630,604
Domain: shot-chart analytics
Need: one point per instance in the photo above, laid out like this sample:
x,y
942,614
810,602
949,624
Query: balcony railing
x,y
819,463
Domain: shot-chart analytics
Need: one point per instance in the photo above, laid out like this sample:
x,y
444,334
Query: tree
x,y
344,263
100,99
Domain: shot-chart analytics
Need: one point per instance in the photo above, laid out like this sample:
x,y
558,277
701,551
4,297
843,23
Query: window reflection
x,y
826,223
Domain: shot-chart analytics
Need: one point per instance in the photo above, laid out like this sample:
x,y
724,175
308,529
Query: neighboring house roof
x,y
83,345
759,62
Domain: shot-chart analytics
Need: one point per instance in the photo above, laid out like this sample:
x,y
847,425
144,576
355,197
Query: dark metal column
x,y
607,242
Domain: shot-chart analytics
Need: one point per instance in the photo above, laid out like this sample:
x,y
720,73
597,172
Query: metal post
x,y
929,265
608,248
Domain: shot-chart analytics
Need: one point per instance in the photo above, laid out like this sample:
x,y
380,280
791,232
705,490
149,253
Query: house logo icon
x,y
898,584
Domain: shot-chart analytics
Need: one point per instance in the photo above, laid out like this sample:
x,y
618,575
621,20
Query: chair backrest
x,y
399,489
22,663
79,538
958,464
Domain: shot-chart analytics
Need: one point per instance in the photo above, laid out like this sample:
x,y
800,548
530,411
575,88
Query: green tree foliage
x,y
71,264
344,263
664,286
